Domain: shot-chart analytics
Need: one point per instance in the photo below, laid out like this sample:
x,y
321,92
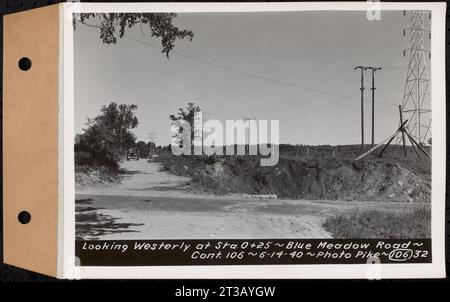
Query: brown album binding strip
x,y
30,139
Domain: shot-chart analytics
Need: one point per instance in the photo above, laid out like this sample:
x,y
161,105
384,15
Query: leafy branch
x,y
113,26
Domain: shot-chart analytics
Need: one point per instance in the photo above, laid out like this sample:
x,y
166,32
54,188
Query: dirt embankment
x,y
307,179
90,177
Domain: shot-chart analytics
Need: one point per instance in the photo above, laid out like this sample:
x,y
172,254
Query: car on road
x,y
133,153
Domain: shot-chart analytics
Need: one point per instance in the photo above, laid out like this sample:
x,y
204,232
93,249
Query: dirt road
x,y
153,204
142,178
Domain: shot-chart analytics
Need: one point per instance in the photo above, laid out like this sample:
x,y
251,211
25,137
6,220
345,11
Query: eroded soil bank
x,y
333,179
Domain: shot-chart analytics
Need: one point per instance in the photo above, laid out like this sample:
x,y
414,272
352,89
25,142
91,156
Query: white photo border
x,y
66,259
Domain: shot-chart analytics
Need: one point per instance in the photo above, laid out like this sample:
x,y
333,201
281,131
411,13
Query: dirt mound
x,y
313,179
99,177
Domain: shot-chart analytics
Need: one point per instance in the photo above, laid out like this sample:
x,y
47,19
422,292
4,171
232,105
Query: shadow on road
x,y
92,225
129,172
179,188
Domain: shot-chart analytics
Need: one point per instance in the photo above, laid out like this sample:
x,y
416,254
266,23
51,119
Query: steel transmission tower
x,y
152,137
416,105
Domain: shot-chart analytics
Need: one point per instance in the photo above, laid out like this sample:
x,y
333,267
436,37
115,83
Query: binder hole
x,y
24,64
24,217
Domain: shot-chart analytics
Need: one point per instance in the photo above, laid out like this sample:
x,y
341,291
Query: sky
x,y
296,67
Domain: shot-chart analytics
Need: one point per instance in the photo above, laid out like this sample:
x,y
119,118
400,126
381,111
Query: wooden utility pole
x,y
362,103
152,137
248,146
403,133
388,140
206,116
373,100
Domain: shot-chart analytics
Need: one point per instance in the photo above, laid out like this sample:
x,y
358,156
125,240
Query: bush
x,y
86,156
411,224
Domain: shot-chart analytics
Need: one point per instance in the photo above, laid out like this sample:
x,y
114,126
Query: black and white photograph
x,y
254,128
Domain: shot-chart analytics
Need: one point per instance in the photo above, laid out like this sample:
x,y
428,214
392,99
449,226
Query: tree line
x,y
106,137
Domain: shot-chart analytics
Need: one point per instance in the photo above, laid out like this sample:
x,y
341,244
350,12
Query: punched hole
x,y
24,64
24,217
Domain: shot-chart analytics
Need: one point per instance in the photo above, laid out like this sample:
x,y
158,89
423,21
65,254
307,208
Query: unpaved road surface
x,y
153,204
142,178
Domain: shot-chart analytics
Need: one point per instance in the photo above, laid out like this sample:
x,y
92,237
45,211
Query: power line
x,y
393,59
351,46
250,74
282,109
308,102
348,83
336,116
339,77
327,104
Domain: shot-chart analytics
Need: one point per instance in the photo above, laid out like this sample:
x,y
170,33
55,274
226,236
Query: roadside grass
x,y
413,223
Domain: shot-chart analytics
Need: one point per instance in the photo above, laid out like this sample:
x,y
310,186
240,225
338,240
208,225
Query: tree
x,y
145,148
112,126
105,136
187,114
114,25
